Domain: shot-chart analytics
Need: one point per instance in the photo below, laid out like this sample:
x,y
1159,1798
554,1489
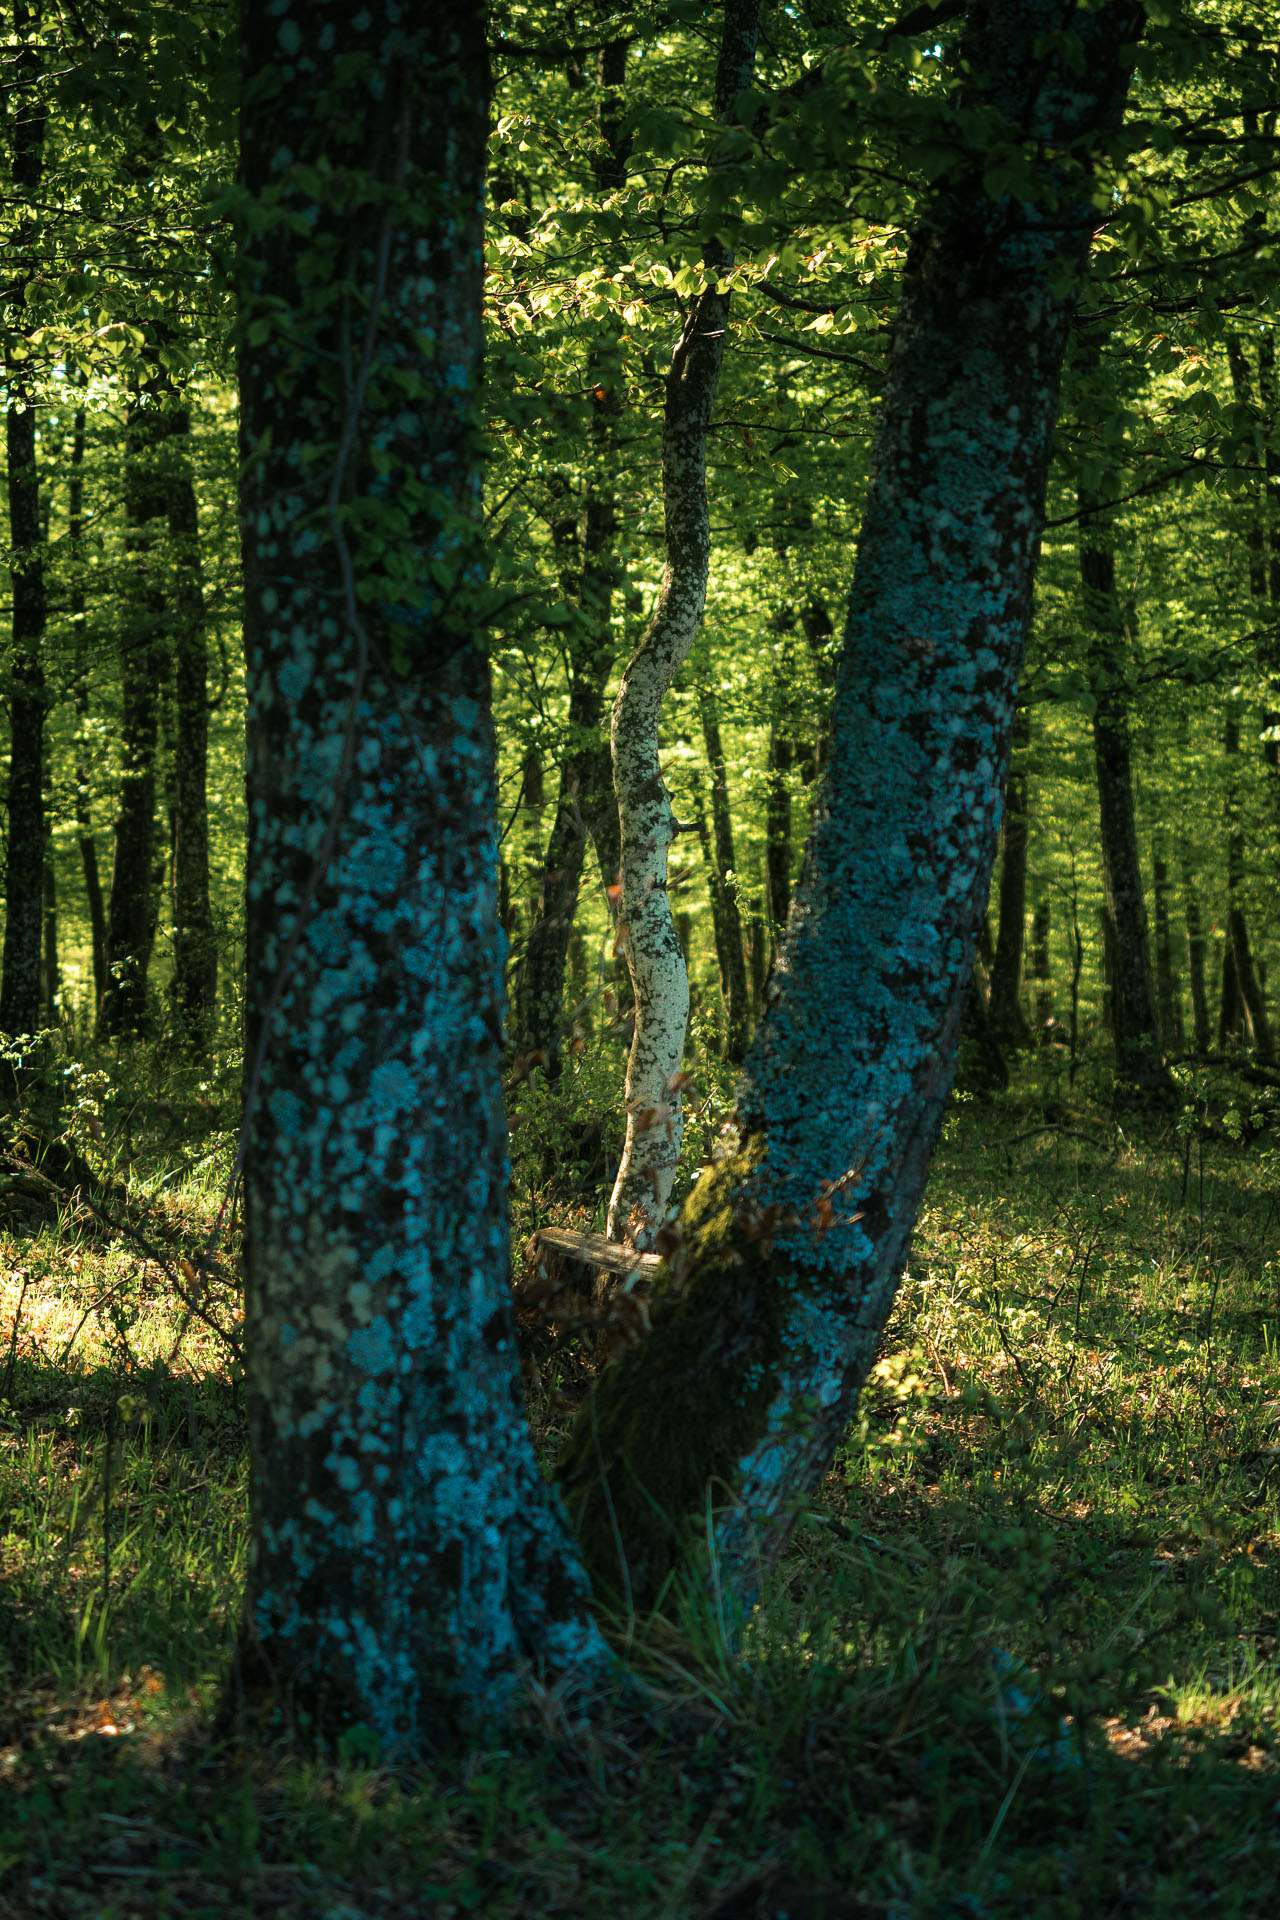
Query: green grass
x,y
1020,1661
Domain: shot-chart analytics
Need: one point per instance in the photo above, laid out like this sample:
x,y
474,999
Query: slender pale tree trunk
x,y
1008,1021
647,934
1040,969
25,848
781,1272
411,1568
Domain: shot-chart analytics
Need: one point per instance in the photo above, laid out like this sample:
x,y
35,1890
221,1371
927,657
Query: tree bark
x,y
25,853
585,805
195,952
783,1269
777,818
1169,999
1140,1072
132,912
1041,973
1200,1030
722,874
1244,973
83,748
1004,1009
411,1568
647,936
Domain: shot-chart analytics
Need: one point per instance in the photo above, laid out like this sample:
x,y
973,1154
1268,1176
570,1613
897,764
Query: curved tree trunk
x,y
781,1273
411,1569
25,852
1004,1008
647,935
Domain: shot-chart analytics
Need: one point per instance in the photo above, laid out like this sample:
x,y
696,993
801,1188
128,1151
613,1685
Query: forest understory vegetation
x,y
1019,1660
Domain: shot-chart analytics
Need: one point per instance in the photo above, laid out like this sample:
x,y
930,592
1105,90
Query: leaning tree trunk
x,y
410,1565
25,849
1004,1007
1140,1072
646,931
781,1273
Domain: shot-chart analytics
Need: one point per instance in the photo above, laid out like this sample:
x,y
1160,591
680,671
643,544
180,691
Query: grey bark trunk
x,y
83,767
195,953
780,1276
647,935
411,1569
1200,1030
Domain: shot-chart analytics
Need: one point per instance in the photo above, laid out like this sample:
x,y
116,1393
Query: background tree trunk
x,y
25,853
1004,1007
722,875
784,1265
585,805
647,935
195,951
1140,1068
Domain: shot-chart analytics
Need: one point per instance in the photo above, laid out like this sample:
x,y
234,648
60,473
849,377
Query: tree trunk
x,y
781,1274
25,852
659,978
131,915
1169,1000
722,874
1244,973
410,1565
195,953
777,818
1195,950
83,745
1008,1021
1140,1072
1041,973
585,805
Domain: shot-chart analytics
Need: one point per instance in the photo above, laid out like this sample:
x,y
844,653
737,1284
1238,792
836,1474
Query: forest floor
x,y
1021,1661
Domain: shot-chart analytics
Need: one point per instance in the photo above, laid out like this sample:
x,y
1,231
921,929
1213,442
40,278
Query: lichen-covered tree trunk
x,y
722,875
25,826
1004,1007
195,953
410,1565
646,931
780,1276
1140,1072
